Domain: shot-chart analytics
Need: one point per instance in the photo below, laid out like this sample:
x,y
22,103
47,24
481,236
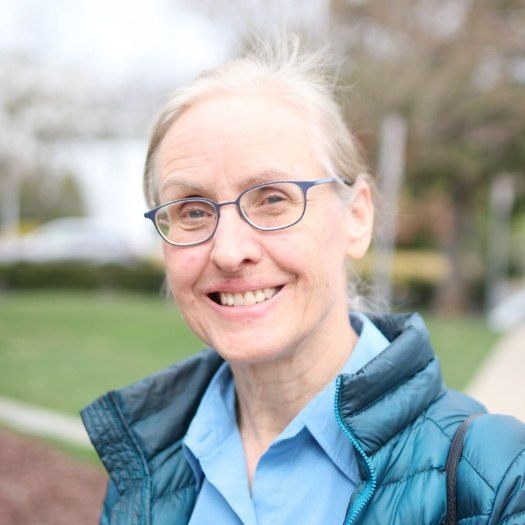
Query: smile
x,y
247,298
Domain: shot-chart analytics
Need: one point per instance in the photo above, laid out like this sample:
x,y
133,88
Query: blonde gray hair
x,y
296,76
284,70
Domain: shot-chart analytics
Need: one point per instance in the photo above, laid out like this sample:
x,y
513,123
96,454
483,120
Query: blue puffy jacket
x,y
396,412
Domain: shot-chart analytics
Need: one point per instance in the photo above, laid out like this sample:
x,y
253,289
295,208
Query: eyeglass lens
x,y
268,207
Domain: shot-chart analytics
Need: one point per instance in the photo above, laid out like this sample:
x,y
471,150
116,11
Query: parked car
x,y
71,238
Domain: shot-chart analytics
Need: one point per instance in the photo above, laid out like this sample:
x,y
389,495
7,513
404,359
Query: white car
x,y
72,238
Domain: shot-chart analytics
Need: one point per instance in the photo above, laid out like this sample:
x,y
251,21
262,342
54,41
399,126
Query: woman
x,y
300,412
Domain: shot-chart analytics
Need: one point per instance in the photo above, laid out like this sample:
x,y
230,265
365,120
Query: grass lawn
x,y
461,345
62,350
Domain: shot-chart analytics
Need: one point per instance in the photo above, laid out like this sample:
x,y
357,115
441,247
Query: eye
x,y
195,211
267,196
195,214
274,199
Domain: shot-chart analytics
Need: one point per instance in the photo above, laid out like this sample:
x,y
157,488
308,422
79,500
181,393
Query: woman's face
x,y
216,149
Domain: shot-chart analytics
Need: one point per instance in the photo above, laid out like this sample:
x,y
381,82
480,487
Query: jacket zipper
x,y
363,497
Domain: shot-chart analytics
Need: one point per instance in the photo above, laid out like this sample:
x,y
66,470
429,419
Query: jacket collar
x,y
130,426
133,425
392,390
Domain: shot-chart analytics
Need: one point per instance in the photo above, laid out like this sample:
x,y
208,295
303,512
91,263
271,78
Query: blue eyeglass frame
x,y
305,185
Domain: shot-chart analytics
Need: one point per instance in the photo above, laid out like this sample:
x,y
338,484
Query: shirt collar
x,y
216,416
215,419
318,415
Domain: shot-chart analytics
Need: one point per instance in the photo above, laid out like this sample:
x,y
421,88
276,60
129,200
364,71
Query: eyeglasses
x,y
268,206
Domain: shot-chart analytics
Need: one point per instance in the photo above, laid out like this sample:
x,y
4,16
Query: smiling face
x,y
287,286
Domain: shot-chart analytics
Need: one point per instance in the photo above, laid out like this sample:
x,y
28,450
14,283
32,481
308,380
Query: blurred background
x,y
434,90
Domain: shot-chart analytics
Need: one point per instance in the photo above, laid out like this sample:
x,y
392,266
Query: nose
x,y
235,242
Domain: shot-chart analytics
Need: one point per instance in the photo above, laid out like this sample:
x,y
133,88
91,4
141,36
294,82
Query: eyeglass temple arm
x,y
333,179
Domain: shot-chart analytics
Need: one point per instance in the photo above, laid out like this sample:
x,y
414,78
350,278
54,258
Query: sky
x,y
159,40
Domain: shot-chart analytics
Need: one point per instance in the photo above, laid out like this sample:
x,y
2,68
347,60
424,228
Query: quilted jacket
x,y
396,412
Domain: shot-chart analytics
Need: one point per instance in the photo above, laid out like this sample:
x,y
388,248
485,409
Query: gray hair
x,y
300,78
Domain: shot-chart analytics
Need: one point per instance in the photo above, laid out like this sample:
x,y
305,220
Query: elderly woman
x,y
301,411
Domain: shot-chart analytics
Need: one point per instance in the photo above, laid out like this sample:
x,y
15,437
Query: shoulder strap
x,y
454,455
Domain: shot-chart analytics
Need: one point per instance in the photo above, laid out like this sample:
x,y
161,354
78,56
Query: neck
x,y
271,394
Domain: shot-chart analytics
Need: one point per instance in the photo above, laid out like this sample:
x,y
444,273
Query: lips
x,y
245,298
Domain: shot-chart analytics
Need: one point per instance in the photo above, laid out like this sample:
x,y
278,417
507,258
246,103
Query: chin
x,y
249,351
249,358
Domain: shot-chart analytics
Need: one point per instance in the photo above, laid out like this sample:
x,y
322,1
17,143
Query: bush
x,y
414,294
142,277
417,293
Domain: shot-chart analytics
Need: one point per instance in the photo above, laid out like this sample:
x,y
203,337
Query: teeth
x,y
269,292
247,298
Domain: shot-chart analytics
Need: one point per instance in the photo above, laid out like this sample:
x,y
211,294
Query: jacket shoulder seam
x,y
511,516
395,387
462,456
411,475
503,479
464,518
416,423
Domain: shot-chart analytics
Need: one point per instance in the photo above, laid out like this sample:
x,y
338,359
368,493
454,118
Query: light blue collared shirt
x,y
306,476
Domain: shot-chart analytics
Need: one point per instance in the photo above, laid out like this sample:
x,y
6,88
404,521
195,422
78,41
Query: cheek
x,y
183,267
315,253
324,238
325,253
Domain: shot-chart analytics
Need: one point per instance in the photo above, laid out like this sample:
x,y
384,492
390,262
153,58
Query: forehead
x,y
229,139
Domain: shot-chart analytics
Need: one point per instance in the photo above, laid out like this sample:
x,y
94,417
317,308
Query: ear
x,y
359,220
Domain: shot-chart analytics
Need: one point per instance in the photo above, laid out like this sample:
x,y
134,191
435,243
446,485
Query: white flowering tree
x,y
41,105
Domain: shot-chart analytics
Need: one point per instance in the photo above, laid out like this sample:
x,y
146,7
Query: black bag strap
x,y
454,455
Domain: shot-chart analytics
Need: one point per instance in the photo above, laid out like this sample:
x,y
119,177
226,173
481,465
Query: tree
x,y
453,70
40,104
41,201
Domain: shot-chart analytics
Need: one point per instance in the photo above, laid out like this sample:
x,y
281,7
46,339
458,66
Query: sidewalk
x,y
500,382
40,422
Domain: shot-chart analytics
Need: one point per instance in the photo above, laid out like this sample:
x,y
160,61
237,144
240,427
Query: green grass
x,y
62,350
461,345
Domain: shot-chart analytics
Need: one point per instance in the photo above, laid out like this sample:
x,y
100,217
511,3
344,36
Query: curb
x,y
499,383
41,422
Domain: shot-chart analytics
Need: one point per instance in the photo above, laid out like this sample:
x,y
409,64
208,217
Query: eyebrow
x,y
265,175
